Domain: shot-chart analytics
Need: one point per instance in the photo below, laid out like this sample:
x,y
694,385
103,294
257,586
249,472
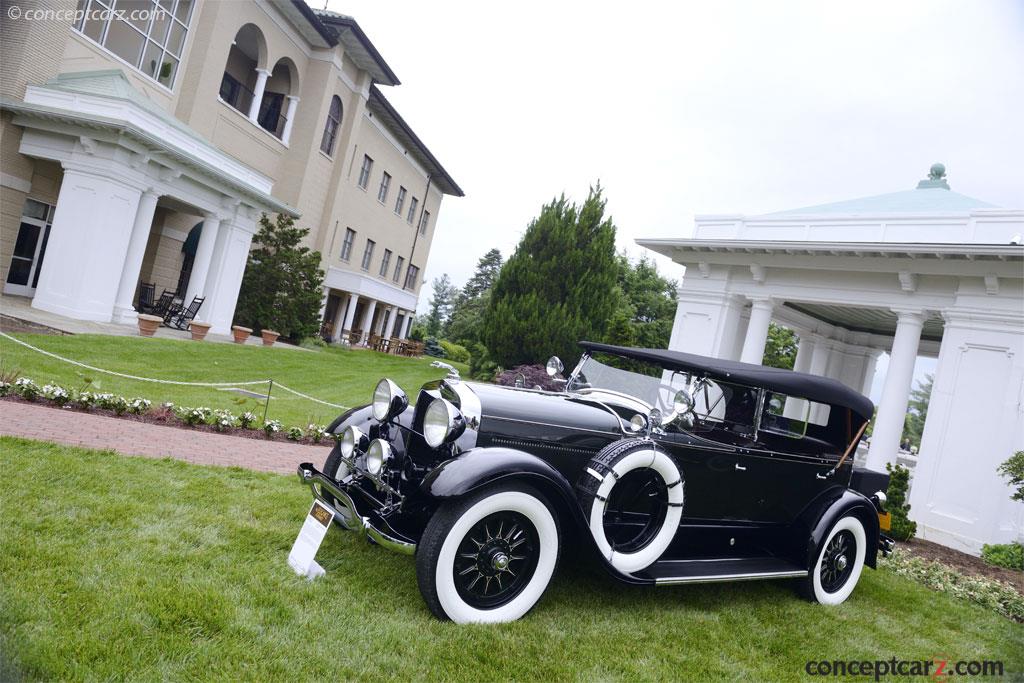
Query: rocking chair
x,y
180,319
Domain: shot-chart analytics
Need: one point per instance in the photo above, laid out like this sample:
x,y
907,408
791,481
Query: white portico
x,y
123,161
924,272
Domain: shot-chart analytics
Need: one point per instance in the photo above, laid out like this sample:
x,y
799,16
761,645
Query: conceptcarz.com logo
x,y
936,668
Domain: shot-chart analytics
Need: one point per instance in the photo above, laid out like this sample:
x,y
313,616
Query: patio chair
x,y
146,292
184,316
396,346
327,330
354,337
162,304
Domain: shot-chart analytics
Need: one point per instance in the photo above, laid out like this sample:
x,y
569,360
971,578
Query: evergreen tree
x,y
440,304
465,323
647,308
917,411
283,284
780,348
559,287
487,269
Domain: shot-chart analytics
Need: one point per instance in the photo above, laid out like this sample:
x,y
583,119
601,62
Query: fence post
x,y
266,407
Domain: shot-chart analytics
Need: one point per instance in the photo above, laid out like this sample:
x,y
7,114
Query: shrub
x,y
533,376
26,388
454,352
55,393
995,595
1013,469
138,406
85,399
316,432
433,348
903,528
192,416
417,333
295,434
271,427
223,420
246,420
1009,555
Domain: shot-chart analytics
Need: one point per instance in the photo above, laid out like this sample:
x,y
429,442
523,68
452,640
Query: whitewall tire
x,y
839,563
488,558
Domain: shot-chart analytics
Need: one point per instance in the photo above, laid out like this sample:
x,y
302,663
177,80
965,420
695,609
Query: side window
x,y
720,405
790,416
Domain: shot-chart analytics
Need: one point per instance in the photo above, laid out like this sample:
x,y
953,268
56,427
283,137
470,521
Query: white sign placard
x,y
302,558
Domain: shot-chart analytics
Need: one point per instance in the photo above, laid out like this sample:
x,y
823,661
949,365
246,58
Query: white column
x,y
337,323
892,409
757,331
400,327
795,408
323,304
257,96
124,312
289,118
350,314
227,269
868,376
392,317
201,262
89,238
368,320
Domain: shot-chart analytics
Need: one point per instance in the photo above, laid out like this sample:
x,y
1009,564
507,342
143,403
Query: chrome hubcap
x,y
500,561
841,562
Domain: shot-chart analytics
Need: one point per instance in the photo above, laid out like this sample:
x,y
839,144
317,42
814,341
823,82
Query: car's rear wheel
x,y
839,563
488,557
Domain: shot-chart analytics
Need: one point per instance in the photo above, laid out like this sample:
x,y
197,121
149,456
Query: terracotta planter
x,y
269,337
199,330
240,333
149,324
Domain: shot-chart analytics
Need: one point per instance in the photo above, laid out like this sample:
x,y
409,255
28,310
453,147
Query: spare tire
x,y
631,493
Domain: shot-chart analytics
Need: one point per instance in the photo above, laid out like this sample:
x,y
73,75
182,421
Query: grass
x,y
332,374
115,567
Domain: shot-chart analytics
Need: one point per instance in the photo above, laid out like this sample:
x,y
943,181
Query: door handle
x,y
740,467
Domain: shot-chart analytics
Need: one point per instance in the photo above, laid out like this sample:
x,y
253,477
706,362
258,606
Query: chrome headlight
x,y
442,423
388,400
377,456
352,439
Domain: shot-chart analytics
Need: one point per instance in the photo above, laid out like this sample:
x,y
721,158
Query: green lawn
x,y
114,567
332,374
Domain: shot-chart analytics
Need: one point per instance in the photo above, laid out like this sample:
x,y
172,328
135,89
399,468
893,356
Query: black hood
x,y
504,407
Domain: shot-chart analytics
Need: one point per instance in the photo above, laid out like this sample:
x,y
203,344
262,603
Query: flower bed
x,y
246,424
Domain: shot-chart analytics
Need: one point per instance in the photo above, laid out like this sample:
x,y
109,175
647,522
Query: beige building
x,y
142,140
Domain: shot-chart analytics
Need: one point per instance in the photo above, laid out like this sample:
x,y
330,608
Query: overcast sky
x,y
698,107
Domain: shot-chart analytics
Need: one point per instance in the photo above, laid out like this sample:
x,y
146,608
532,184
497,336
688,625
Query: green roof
x,y
909,201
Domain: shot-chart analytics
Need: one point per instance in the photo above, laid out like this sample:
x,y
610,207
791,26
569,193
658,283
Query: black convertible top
x,y
799,384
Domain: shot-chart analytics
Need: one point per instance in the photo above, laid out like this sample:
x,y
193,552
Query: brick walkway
x,y
75,428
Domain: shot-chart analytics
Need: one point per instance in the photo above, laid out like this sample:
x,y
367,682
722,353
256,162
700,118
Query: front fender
x,y
482,466
361,417
821,516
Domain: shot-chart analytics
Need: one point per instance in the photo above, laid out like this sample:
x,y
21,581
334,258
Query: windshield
x,y
647,383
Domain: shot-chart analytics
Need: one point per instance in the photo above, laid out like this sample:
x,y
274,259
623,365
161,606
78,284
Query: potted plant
x,y
240,333
148,324
269,337
199,329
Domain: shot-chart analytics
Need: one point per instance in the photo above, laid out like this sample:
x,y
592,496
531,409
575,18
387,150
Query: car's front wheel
x,y
488,557
839,563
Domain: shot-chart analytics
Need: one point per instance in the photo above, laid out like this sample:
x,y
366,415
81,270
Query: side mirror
x,y
683,402
554,366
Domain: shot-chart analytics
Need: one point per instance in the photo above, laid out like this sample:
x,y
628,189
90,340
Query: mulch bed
x,y
16,325
962,562
158,415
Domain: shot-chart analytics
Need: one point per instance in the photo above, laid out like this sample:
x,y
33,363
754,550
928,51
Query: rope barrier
x,y
165,381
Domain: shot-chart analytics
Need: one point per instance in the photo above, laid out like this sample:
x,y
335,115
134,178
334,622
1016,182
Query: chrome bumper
x,y
347,514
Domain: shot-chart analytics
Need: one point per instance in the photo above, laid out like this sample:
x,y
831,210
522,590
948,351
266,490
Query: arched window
x,y
331,127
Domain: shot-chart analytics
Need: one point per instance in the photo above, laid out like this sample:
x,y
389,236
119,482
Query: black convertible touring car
x,y
673,468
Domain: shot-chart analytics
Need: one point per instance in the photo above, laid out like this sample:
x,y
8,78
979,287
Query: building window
x,y
331,127
385,262
398,268
364,172
346,246
424,221
368,254
411,276
412,210
147,35
385,185
400,202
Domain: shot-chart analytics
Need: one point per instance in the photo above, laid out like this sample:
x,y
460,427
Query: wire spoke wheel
x,y
496,559
838,561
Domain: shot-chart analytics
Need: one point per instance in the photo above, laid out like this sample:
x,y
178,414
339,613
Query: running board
x,y
669,572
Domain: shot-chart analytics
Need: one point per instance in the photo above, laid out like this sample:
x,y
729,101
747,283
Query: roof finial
x,y
936,178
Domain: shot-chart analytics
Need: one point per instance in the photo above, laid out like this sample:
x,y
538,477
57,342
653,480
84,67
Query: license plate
x,y
884,521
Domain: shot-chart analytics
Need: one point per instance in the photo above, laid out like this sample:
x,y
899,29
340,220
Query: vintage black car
x,y
671,468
